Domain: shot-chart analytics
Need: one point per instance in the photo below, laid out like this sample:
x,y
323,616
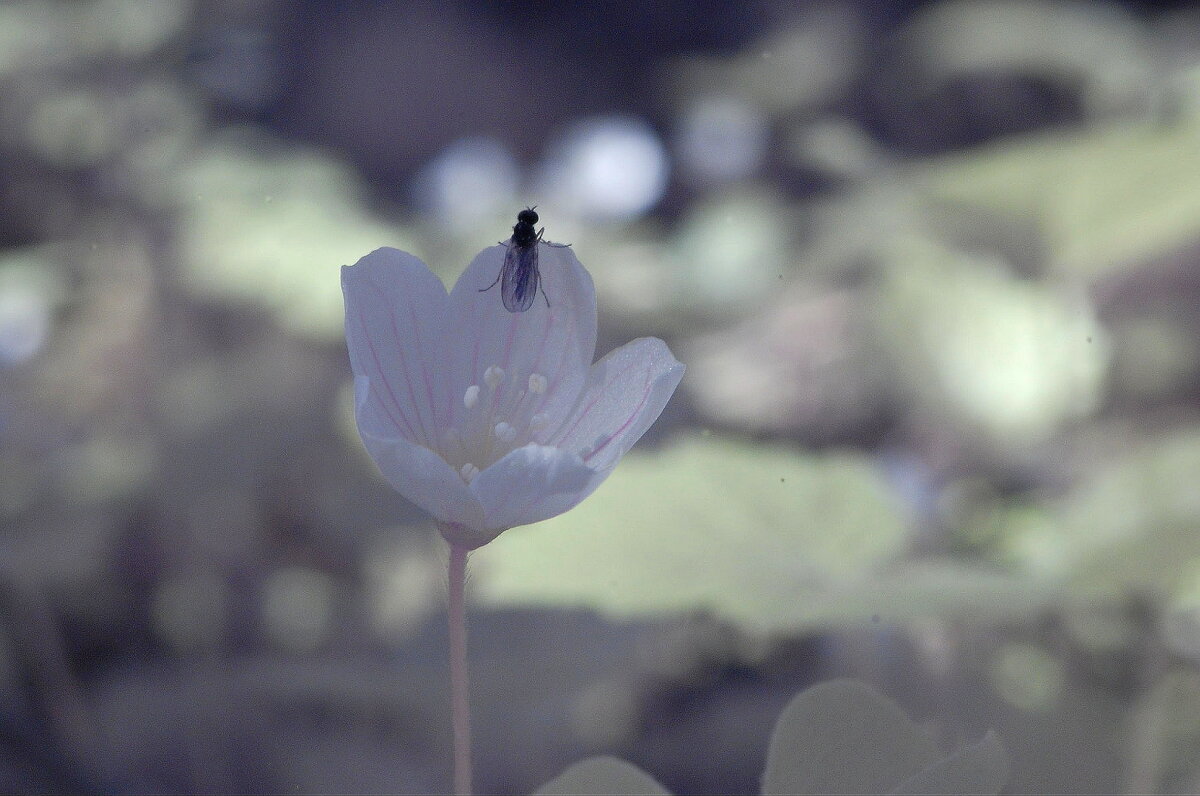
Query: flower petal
x,y
557,341
530,484
625,393
424,479
396,316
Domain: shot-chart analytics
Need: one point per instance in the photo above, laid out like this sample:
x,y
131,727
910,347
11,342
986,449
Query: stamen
x,y
471,396
468,472
537,383
493,376
505,432
539,421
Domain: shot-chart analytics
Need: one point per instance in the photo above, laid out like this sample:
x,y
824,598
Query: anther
x,y
468,472
471,396
493,376
537,383
505,432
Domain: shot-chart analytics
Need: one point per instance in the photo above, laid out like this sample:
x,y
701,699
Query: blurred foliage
x,y
845,737
765,527
767,538
808,363
837,737
1165,725
32,286
264,227
732,250
41,34
1128,527
1106,198
1028,676
1098,45
600,775
796,68
933,273
977,344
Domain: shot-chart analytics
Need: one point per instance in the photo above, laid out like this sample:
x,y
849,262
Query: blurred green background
x,y
934,269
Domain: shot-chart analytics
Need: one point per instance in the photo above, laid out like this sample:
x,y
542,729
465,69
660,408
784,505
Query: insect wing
x,y
519,277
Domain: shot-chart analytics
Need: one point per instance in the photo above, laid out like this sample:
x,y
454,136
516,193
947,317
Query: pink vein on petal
x,y
628,421
408,381
556,375
513,322
474,362
505,359
424,371
601,389
537,361
387,387
544,337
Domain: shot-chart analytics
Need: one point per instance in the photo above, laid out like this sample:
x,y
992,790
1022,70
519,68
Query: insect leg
x,y
548,243
503,243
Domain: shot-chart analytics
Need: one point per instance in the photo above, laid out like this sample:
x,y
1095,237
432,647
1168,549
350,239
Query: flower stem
x,y
460,704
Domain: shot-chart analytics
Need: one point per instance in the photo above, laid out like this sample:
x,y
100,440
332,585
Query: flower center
x,y
503,414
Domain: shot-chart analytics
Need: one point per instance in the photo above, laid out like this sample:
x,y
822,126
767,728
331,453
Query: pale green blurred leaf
x,y
1181,617
844,737
847,229
1105,198
1098,47
108,466
740,529
37,34
1131,527
791,69
760,535
730,252
128,28
29,31
602,775
1027,677
1165,731
271,227
72,128
942,588
979,768
34,270
976,344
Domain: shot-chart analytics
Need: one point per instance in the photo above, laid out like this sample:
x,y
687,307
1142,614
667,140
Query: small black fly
x,y
519,277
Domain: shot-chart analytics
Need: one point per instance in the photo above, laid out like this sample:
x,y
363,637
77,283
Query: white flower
x,y
485,418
